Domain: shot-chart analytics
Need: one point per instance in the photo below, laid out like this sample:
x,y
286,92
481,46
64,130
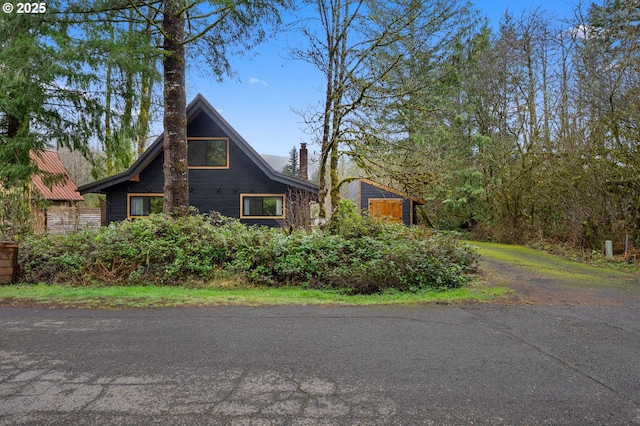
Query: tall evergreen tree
x,y
44,101
120,43
214,28
292,168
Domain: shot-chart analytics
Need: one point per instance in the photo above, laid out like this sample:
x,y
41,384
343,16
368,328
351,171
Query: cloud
x,y
254,80
584,32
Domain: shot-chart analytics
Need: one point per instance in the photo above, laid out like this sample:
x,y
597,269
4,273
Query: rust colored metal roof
x,y
49,161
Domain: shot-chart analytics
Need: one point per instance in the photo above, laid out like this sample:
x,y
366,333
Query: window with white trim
x,y
262,206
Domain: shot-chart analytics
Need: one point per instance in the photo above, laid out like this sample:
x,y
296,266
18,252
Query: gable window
x,y
208,153
256,206
143,205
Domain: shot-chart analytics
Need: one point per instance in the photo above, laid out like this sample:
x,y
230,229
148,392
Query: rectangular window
x,y
208,153
262,206
143,205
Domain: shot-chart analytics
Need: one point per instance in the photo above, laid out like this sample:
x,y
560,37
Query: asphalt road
x,y
458,365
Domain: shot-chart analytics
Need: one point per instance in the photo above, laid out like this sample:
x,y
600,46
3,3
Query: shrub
x,y
54,258
358,255
159,249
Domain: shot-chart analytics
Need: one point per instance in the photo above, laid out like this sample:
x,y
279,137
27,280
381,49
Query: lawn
x,y
125,297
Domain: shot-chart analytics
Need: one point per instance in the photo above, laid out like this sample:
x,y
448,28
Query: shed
x,y
382,201
62,213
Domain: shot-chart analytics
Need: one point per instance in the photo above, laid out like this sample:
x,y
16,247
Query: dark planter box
x,y
8,262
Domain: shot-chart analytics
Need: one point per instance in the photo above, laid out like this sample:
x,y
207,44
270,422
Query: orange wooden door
x,y
387,208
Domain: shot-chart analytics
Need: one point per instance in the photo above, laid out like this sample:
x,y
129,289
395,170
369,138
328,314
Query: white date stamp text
x,y
25,8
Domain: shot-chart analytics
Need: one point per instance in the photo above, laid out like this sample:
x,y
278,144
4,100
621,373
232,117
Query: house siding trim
x,y
393,191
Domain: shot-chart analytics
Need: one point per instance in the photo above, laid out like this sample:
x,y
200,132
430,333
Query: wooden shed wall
x,y
361,192
61,218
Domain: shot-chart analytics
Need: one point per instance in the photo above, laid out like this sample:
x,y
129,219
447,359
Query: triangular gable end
x,y
199,105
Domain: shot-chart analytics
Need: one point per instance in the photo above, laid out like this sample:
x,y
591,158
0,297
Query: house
x,y
381,201
226,175
62,212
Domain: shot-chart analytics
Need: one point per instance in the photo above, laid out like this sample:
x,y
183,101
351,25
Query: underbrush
x,y
357,255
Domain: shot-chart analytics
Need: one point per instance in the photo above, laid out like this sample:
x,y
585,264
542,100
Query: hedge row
x,y
357,255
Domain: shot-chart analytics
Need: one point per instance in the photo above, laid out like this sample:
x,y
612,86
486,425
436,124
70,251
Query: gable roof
x,y
48,161
197,106
393,191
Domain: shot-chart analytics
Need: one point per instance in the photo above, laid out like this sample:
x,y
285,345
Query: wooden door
x,y
387,208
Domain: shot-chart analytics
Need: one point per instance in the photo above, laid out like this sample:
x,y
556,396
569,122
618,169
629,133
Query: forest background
x,y
521,133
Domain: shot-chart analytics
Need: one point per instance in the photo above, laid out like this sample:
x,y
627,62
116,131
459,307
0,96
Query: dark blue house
x,y
226,175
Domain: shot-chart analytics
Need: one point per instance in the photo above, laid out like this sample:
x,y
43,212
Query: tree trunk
x,y
176,184
108,141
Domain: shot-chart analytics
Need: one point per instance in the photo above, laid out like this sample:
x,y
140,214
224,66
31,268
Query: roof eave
x,y
139,165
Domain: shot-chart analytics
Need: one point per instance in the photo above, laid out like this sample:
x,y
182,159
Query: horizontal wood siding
x,y
62,219
90,218
353,193
201,126
209,189
151,180
8,262
219,190
116,206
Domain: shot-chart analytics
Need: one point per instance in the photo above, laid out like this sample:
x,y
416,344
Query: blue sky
x,y
259,102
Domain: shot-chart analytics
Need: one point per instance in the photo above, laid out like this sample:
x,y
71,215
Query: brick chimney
x,y
302,174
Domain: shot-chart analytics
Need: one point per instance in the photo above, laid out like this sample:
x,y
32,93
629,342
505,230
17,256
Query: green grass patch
x,y
550,265
127,297
207,260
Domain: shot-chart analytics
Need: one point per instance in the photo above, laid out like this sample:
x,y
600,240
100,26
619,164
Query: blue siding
x,y
209,189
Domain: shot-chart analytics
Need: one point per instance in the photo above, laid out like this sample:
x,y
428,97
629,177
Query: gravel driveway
x,y
538,278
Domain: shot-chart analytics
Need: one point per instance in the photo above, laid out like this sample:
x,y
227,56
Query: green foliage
x,y
16,219
364,257
158,249
493,152
43,101
348,223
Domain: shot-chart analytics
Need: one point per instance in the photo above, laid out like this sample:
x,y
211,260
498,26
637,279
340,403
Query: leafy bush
x,y
358,255
159,249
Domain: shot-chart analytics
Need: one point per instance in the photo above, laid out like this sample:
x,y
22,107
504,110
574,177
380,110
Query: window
x,y
142,205
262,206
208,153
